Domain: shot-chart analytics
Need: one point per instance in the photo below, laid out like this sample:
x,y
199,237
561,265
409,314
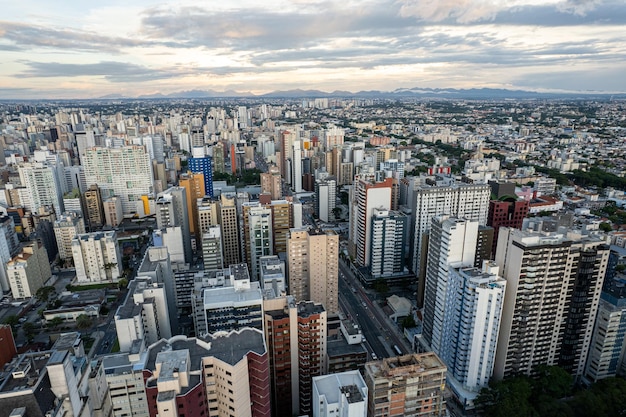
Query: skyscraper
x,y
368,193
312,261
204,165
553,290
469,201
93,208
124,172
193,183
43,185
171,206
325,199
271,183
389,230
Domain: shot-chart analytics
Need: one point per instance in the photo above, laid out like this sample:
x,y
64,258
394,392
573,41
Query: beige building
x,y
312,261
271,183
409,385
221,212
93,207
193,183
113,211
65,228
28,271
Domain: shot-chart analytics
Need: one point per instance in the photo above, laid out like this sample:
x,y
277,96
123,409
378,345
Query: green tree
x,y
29,331
84,322
337,212
408,322
46,293
12,321
606,227
55,322
122,283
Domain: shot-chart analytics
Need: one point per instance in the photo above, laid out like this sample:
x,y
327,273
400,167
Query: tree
x,y
606,227
12,321
408,322
84,322
29,331
55,322
337,212
122,283
45,293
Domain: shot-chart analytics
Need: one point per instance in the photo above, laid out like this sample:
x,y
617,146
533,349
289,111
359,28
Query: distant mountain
x,y
414,92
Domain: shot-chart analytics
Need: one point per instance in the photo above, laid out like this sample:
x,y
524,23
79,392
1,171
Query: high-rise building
x,y
212,249
506,213
9,247
231,302
28,270
144,316
553,289
218,157
340,394
65,228
124,172
96,257
124,378
229,223
389,230
273,274
203,165
94,213
410,385
113,212
313,264
608,343
43,185
171,211
325,199
271,183
452,244
368,193
193,183
430,199
258,235
225,374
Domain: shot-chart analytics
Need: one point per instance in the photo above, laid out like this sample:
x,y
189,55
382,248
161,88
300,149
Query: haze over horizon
x,y
74,50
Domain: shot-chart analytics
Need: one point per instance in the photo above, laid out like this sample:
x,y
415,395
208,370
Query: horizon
x,y
75,51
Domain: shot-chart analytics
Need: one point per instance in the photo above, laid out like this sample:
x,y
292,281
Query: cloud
x,y
461,11
110,70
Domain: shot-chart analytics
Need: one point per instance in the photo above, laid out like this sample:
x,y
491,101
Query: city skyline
x,y
78,51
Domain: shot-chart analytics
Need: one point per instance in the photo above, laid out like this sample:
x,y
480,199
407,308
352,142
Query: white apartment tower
x,y
96,257
325,198
124,172
43,185
261,237
367,194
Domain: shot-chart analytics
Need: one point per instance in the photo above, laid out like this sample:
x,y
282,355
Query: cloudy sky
x,y
73,49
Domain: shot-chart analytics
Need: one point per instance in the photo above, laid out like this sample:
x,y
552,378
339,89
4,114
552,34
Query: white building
x,y
212,249
144,316
66,227
96,257
43,185
339,395
124,172
28,270
325,199
261,236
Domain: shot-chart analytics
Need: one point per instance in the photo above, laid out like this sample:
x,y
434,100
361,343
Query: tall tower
x,y
325,199
43,186
171,206
389,230
553,289
312,260
452,245
271,183
508,213
469,201
193,183
261,237
203,164
230,229
93,208
212,249
367,194
124,172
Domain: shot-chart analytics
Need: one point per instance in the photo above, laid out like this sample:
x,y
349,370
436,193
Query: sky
x,y
83,49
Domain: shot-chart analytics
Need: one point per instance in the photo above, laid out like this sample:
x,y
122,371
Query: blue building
x,y
204,166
